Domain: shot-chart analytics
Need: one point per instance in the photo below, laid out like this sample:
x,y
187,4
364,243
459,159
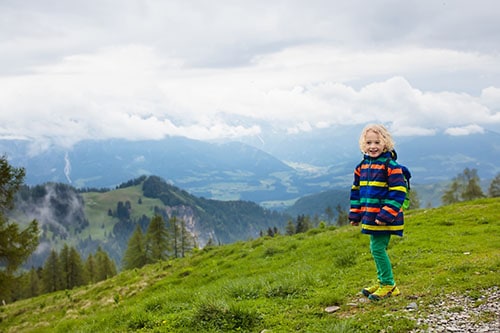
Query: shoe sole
x,y
366,293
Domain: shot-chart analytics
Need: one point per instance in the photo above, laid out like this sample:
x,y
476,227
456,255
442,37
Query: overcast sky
x,y
73,70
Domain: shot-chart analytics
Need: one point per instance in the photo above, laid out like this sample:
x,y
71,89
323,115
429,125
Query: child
x,y
377,195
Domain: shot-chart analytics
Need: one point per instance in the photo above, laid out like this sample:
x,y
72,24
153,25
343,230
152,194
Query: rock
x,y
412,306
332,309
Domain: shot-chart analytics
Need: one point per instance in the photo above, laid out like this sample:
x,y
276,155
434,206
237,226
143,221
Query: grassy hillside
x,y
283,284
97,205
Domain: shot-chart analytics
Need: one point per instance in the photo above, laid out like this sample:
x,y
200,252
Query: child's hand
x,y
354,223
380,222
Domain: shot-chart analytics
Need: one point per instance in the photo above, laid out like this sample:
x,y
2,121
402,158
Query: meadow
x,y
284,283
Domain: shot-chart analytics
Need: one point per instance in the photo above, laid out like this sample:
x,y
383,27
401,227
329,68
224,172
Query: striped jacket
x,y
377,194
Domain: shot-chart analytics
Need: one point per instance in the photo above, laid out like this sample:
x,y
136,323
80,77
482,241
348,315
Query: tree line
x,y
64,271
162,240
466,186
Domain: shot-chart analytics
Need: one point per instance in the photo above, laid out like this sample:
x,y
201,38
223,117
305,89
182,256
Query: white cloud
x,y
144,70
465,130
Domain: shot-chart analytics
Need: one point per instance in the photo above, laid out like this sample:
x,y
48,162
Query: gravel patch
x,y
461,313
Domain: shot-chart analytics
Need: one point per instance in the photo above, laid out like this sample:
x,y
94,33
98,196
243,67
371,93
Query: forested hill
x,y
87,219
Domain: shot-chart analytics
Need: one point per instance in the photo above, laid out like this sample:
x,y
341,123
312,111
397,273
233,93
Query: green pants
x,y
378,247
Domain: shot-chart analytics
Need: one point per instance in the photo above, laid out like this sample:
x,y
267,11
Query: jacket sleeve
x,y
355,210
395,196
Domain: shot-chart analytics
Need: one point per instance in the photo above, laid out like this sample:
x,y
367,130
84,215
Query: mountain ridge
x,y
276,171
88,220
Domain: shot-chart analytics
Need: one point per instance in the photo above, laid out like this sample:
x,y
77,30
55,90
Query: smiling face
x,y
374,145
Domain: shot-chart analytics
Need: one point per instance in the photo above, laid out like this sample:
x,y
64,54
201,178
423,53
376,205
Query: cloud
x,y
465,130
146,70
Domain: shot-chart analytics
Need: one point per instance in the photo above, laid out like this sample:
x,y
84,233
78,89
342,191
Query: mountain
x,y
108,218
273,170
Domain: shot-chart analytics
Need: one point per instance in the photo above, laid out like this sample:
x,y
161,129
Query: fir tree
x,y
452,194
91,269
105,266
135,254
51,277
290,228
15,245
342,216
187,242
157,240
414,200
75,271
472,190
303,224
494,189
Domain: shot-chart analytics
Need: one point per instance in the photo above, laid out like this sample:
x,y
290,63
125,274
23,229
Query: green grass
x,y
283,284
97,205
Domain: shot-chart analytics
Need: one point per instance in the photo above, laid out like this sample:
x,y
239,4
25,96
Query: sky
x,y
73,70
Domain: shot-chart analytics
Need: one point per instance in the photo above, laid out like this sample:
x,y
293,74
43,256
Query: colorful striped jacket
x,y
378,194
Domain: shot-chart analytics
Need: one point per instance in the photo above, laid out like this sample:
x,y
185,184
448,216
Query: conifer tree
x,y
187,242
176,234
75,271
452,194
91,269
414,200
64,264
472,189
329,214
342,216
157,240
464,187
15,245
494,189
290,228
303,224
51,277
106,268
135,254
34,282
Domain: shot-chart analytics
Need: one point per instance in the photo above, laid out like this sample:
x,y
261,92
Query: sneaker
x,y
370,290
384,292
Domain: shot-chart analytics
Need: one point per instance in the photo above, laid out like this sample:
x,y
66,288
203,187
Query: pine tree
x,y
290,228
91,269
135,254
64,264
157,240
472,190
15,245
34,283
414,200
106,268
342,216
303,224
187,242
75,273
176,233
452,194
494,189
465,186
329,214
51,277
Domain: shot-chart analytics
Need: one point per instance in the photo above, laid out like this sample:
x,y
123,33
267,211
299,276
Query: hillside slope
x,y
283,284
107,219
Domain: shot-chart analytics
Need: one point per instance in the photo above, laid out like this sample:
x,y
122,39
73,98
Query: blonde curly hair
x,y
384,134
